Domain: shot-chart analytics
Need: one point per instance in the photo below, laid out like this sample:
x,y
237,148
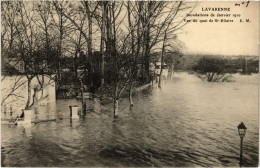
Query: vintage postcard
x,y
129,83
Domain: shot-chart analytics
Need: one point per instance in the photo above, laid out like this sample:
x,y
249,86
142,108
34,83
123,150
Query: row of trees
x,y
124,34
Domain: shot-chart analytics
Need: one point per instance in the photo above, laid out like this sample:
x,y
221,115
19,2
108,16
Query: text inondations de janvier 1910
x,y
219,14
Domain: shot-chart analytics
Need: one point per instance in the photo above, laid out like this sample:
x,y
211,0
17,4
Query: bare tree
x,y
63,30
27,46
170,26
82,16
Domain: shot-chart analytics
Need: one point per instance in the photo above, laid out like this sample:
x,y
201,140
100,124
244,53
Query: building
x,y
158,69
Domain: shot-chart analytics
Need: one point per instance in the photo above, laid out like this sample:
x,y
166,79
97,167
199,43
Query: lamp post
x,y
242,132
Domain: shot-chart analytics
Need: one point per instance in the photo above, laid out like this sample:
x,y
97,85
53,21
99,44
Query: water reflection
x,y
185,123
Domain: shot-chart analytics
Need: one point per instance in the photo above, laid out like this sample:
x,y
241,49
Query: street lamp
x,y
242,132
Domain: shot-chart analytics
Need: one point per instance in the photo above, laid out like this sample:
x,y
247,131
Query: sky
x,y
223,38
220,38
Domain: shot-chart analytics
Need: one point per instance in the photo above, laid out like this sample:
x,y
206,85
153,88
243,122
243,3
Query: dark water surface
x,y
185,123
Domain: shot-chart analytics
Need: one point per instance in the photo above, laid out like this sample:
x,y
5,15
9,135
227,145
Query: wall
x,y
17,99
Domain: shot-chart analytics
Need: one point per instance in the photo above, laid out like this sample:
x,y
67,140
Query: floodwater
x,y
186,123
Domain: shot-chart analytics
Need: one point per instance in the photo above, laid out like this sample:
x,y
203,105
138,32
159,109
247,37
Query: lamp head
x,y
241,129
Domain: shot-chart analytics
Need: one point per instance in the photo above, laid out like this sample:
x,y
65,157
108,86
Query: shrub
x,y
211,69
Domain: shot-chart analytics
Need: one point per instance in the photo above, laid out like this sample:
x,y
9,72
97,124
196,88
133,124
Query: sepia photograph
x,y
129,83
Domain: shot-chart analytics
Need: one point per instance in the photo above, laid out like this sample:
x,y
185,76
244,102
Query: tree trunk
x,y
29,93
131,29
60,46
89,42
130,95
89,30
76,63
133,56
138,47
77,55
116,107
162,60
147,55
108,31
35,96
113,31
102,68
116,99
84,104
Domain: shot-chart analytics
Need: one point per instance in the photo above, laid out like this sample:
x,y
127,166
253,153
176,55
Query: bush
x,y
211,69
